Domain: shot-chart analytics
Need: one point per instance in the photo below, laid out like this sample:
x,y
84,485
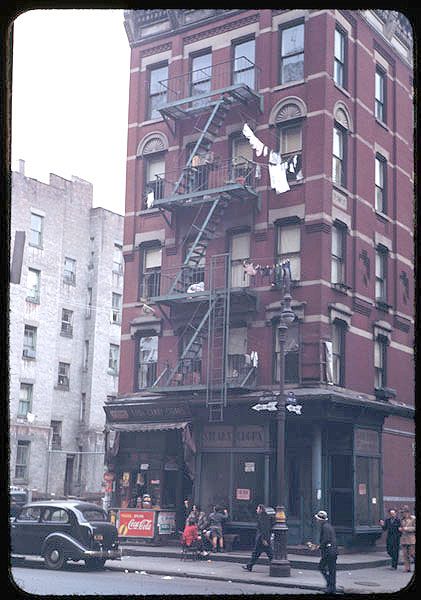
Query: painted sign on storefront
x,y
242,494
228,436
136,523
166,523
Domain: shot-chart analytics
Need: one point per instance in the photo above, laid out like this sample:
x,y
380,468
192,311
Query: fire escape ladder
x,y
218,333
204,231
194,345
205,140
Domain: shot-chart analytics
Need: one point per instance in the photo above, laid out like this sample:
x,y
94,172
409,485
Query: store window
x,y
341,481
292,53
367,477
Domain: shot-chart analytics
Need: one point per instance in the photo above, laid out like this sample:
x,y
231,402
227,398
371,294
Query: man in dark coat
x,y
328,551
391,525
262,541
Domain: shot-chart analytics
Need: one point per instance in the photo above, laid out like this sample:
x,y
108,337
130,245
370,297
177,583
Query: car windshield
x,y
90,514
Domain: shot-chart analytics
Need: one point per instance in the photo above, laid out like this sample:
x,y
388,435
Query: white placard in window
x,y
249,467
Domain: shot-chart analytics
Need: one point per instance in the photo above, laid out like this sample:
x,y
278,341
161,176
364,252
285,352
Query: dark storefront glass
x,y
215,481
341,476
367,477
248,482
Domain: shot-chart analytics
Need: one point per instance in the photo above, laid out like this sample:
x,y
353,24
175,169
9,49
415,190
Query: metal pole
x,y
280,566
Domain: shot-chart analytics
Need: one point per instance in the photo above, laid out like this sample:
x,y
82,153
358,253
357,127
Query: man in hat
x,y
407,530
328,551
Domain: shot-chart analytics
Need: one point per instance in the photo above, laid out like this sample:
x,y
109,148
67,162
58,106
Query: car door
x,y
25,532
55,519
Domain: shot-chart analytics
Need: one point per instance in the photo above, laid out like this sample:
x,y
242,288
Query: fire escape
x,y
202,190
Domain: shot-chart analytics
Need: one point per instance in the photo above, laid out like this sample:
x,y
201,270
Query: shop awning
x,y
147,426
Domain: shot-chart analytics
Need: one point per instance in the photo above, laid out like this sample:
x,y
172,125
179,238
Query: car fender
x,y
71,546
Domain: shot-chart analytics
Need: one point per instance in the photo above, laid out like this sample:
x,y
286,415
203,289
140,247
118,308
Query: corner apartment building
x,y
330,93
65,318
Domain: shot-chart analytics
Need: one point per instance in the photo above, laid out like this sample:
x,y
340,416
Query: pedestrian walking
x,y
407,529
328,551
392,525
262,541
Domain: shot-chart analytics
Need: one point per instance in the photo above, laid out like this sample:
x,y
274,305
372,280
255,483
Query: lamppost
x,y
280,566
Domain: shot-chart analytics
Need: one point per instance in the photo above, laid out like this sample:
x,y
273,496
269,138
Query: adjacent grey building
x,y
64,334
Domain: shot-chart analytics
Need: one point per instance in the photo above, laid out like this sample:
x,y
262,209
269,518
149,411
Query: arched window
x,y
152,149
288,115
342,125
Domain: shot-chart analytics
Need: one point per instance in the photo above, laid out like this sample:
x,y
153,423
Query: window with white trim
x,y
147,361
63,378
56,435
380,183
338,253
244,62
339,70
381,274
116,308
25,399
114,358
380,362
66,322
338,351
150,283
380,95
69,275
154,177
33,286
240,251
36,230
86,355
289,247
118,259
157,92
292,52
291,353
29,342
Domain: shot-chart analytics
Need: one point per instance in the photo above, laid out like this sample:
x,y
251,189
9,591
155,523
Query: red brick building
x,y
328,95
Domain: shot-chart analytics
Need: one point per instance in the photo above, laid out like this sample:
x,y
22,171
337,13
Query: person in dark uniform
x,y
262,541
391,525
328,551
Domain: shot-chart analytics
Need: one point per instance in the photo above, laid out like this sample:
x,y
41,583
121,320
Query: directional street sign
x,y
294,408
268,406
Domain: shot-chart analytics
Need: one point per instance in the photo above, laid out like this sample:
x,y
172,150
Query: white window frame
x,y
291,54
66,323
29,349
380,175
380,94
114,358
63,377
56,434
22,460
291,254
69,272
26,391
36,232
118,259
338,254
33,293
381,274
339,71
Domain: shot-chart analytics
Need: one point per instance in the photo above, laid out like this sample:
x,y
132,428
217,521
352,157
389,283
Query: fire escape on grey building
x,y
200,291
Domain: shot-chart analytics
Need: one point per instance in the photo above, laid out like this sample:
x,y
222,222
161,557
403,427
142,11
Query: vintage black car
x,y
65,530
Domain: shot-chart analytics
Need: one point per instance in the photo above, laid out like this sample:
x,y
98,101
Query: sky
x,y
70,92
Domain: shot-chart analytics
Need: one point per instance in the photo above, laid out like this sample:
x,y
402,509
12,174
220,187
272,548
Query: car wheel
x,y
54,556
95,563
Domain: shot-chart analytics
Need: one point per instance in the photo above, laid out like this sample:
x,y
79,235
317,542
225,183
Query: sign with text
x,y
166,523
228,436
249,467
136,523
242,494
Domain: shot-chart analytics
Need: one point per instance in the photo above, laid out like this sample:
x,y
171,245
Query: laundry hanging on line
x,y
150,199
254,141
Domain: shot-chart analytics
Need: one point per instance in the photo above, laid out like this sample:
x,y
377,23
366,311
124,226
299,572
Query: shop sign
x,y
242,494
136,523
249,436
155,481
166,523
249,467
362,489
225,436
144,466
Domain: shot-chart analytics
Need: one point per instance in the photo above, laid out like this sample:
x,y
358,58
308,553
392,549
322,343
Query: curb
x,y
304,586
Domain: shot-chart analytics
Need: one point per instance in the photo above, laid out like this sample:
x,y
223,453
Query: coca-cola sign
x,y
136,523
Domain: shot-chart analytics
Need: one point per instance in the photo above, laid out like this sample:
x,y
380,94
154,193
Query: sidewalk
x,y
359,573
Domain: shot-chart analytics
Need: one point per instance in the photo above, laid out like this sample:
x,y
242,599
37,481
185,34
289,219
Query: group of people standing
x,y
400,534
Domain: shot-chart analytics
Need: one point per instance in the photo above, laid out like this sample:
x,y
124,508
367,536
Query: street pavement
x,y
357,573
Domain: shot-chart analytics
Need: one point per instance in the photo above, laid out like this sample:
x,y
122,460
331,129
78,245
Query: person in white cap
x,y
328,551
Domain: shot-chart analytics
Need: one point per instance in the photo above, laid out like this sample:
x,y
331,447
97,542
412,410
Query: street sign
x,y
268,406
294,408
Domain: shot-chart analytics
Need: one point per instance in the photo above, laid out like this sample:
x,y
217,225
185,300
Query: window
x,y
56,515
91,252
82,413
116,308
22,460
88,312
338,163
114,358
339,71
69,275
380,354
240,251
29,342
338,254
33,285
35,232
31,513
292,53
79,464
201,73
380,95
63,380
291,354
25,399
290,144
237,350
66,322
56,435
190,367
288,247
118,259
338,352
381,274
151,277
242,155
367,475
157,92
195,272
154,175
380,183
244,63
147,361
86,355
